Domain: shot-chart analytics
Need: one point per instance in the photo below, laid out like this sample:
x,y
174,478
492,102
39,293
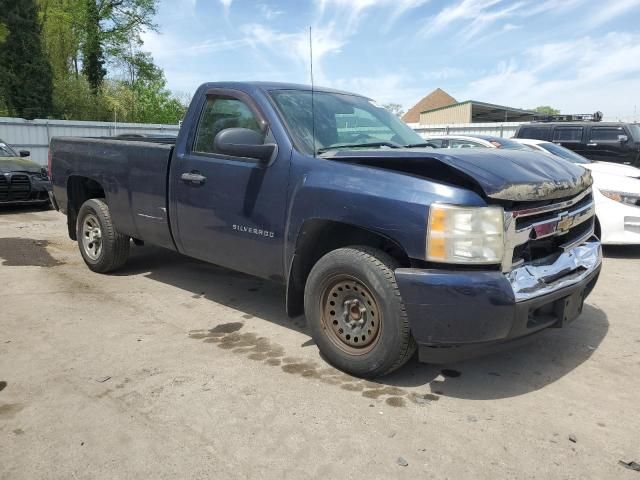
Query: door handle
x,y
592,144
193,177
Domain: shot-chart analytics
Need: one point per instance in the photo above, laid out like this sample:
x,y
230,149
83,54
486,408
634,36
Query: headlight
x,y
622,197
465,234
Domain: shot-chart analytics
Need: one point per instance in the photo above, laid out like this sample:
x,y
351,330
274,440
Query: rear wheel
x,y
103,248
355,312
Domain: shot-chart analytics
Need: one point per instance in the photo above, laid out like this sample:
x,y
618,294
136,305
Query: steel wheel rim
x,y
92,236
350,315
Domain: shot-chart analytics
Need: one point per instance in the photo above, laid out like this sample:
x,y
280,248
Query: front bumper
x,y
459,314
24,189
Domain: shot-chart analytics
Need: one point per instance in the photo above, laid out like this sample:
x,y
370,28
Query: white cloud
x,y
474,17
352,10
611,10
578,76
445,73
327,39
226,4
269,13
387,88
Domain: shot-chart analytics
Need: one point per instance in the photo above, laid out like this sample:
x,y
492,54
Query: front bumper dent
x,y
458,314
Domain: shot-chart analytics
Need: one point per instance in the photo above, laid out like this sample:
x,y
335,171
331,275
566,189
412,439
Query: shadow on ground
x,y
548,357
18,209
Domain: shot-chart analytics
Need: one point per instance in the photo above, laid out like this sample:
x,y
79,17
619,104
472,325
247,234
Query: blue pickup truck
x,y
386,245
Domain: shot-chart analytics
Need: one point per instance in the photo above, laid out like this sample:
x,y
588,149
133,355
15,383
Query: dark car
x,y
604,141
22,181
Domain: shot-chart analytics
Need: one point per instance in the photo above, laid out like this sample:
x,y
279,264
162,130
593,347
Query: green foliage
x,y
93,62
92,54
546,110
4,32
25,73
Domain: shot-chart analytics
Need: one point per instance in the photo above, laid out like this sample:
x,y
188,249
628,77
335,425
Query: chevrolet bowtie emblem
x,y
565,223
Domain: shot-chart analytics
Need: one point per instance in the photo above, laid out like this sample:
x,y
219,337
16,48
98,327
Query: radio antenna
x,y
313,112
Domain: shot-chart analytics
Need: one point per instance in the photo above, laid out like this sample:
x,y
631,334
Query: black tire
x,y
371,269
114,249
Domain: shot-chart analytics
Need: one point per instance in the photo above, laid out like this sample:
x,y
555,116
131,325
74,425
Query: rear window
x,y
606,134
567,134
535,133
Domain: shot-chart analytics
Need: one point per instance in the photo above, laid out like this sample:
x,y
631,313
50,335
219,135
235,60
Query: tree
x,y
92,54
112,29
546,110
25,73
395,108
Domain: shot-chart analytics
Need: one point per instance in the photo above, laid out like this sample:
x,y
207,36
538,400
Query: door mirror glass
x,y
242,142
25,153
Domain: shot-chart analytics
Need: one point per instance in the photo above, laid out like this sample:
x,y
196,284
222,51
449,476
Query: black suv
x,y
605,141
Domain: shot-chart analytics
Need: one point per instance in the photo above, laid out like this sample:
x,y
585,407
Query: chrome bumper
x,y
548,275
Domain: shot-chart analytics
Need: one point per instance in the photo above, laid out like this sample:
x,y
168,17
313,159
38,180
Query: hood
x,y
512,175
17,164
613,169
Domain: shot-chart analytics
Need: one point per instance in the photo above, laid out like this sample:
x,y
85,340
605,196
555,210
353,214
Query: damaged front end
x,y
550,262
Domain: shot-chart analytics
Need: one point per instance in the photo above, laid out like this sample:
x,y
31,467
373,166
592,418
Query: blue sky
x,y
576,55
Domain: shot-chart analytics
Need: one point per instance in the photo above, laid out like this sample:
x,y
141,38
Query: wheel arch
x,y
320,236
80,189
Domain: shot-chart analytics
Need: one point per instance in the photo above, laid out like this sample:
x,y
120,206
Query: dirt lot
x,y
178,369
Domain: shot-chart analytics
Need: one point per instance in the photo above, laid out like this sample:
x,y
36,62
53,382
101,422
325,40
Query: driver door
x,y
230,210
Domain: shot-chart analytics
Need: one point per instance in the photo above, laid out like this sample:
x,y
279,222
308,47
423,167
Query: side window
x,y
464,144
534,133
220,113
606,134
436,142
567,134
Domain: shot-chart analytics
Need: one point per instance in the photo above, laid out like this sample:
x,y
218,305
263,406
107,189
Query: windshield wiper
x,y
360,145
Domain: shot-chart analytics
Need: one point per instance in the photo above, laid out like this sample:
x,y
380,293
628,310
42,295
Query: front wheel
x,y
355,312
103,248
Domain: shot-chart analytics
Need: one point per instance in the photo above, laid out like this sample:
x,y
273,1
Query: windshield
x,y
6,150
341,121
563,152
635,132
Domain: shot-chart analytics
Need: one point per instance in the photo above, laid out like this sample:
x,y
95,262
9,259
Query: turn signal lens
x,y
465,234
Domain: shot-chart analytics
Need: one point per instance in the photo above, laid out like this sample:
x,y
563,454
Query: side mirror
x,y
623,138
25,153
242,142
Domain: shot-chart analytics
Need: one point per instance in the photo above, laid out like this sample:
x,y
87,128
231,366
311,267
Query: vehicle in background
x,y
472,141
22,181
385,245
602,141
616,192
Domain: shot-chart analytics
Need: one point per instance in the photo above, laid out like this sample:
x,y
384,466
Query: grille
x,y
4,188
20,187
534,233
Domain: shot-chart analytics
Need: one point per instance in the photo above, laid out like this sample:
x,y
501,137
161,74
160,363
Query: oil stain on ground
x,y
23,252
228,337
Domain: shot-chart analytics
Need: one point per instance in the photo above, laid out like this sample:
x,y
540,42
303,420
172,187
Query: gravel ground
x,y
173,368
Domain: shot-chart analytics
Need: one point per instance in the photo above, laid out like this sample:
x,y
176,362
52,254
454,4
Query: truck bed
x,y
133,173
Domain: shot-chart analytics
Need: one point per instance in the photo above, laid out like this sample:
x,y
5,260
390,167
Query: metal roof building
x,y
473,111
